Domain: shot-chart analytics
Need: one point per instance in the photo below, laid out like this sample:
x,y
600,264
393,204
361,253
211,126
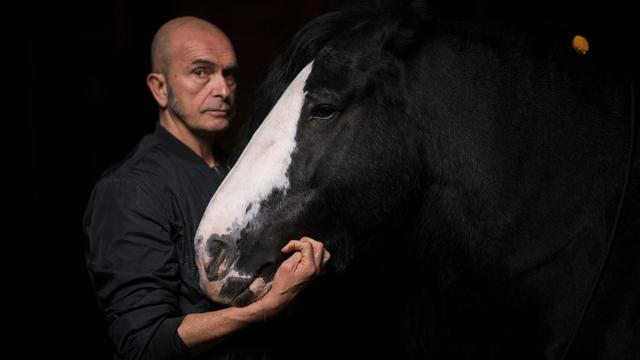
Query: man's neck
x,y
203,147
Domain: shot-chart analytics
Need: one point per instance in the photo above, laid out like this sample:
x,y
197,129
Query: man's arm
x,y
134,266
201,331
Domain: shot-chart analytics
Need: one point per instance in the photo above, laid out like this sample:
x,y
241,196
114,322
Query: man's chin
x,y
216,123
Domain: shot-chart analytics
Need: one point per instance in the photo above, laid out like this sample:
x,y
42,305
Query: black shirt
x,y
140,221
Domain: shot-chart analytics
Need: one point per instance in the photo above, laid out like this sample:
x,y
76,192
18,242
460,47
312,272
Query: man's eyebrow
x,y
204,62
207,63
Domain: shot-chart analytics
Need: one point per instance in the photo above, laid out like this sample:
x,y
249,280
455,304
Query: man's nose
x,y
220,87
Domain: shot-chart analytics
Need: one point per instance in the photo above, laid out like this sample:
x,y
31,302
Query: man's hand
x,y
305,264
200,331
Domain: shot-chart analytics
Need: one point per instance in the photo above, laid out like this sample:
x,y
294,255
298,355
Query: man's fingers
x,y
296,245
326,255
304,248
311,250
322,255
317,247
291,263
289,247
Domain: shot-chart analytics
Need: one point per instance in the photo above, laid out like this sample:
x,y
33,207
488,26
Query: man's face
x,y
201,82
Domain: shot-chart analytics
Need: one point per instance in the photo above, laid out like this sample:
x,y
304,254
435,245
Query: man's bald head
x,y
173,33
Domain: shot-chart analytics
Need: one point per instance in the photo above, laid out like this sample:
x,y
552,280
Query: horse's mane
x,y
305,45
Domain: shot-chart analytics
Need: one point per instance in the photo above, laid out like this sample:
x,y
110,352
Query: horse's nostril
x,y
218,252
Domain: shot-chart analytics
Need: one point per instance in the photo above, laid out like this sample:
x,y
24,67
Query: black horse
x,y
483,187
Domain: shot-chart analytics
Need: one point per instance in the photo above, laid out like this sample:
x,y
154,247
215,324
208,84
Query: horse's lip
x,y
240,298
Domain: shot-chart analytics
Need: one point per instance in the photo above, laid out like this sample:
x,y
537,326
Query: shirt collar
x,y
178,147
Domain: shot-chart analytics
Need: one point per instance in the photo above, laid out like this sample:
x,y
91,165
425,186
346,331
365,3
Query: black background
x,y
87,104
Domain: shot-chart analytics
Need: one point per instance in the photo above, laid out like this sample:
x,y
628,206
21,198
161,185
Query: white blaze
x,y
261,168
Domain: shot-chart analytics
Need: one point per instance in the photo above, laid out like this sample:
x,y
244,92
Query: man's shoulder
x,y
149,164
148,159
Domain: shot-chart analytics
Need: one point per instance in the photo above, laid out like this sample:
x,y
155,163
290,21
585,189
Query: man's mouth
x,y
218,113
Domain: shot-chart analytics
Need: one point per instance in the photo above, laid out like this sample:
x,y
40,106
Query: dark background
x,y
87,105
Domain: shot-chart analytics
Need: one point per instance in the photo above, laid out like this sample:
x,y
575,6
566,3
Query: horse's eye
x,y
324,112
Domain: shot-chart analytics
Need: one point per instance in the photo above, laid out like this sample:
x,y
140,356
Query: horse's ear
x,y
411,14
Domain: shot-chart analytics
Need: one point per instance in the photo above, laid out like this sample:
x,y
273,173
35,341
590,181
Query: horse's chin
x,y
253,293
259,287
219,293
212,291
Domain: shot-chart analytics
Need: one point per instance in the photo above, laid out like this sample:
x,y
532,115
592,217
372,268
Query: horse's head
x,y
330,160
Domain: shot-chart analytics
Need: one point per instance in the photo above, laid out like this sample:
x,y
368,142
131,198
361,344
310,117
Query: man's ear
x,y
157,83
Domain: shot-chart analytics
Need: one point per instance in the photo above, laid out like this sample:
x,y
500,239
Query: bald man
x,y
143,213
